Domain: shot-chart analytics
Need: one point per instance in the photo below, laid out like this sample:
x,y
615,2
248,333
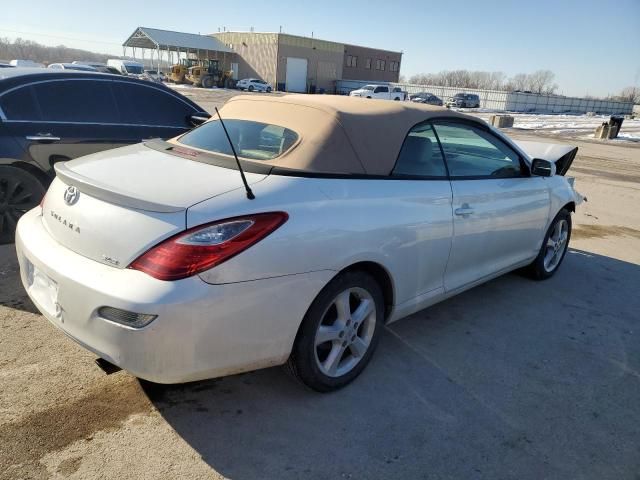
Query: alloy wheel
x,y
556,245
345,332
19,193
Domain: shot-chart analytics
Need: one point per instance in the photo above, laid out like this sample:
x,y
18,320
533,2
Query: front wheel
x,y
339,333
268,89
250,88
554,247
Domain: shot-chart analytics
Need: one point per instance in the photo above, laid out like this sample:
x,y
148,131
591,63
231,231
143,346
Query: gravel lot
x,y
513,379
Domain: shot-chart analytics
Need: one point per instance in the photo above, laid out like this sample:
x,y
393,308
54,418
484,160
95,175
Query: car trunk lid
x,y
114,205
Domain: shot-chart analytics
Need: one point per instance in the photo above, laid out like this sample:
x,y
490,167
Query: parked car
x,y
72,66
50,115
383,92
154,76
107,69
156,257
6,65
254,84
126,67
464,100
426,97
96,65
26,63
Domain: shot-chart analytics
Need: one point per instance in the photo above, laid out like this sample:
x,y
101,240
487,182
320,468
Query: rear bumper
x,y
201,330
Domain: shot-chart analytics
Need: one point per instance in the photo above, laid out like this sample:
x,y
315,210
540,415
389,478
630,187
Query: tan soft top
x,y
338,134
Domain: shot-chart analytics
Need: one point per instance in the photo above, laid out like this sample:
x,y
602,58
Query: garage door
x,y
296,78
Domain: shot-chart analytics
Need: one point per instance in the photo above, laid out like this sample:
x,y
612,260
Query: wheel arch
x,y
42,177
571,206
382,276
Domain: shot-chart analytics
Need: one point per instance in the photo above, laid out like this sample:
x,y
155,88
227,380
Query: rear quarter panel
x,y
404,226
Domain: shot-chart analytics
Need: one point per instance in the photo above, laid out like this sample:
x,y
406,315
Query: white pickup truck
x,y
384,92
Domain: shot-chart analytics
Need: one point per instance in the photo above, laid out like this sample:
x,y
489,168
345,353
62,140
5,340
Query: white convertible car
x,y
353,214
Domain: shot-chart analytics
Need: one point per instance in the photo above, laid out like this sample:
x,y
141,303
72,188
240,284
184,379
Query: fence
x,y
510,101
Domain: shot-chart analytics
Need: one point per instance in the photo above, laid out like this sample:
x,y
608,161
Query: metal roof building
x,y
166,44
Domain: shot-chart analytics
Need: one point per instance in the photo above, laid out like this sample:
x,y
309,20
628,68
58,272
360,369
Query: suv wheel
x,y
19,192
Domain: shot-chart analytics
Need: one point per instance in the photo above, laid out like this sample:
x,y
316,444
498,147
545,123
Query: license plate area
x,y
43,289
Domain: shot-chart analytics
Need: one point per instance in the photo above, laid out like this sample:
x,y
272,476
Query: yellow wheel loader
x,y
207,75
180,70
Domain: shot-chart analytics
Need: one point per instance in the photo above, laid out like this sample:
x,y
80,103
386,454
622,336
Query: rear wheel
x,y
554,247
19,192
339,333
250,88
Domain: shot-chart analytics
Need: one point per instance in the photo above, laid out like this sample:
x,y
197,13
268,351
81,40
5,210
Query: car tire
x,y
250,88
268,89
554,247
349,312
20,191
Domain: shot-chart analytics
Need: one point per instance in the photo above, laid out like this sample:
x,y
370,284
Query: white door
x,y
234,68
500,212
296,77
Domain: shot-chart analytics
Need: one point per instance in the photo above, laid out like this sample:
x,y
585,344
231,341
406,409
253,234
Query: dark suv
x,y
47,116
464,100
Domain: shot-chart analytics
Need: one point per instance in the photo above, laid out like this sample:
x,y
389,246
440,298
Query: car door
x,y
381,92
63,119
499,209
426,196
151,111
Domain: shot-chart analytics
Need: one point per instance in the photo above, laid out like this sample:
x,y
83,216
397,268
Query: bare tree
x,y
629,94
29,50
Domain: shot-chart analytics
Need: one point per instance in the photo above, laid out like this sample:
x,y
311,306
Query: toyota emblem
x,y
71,195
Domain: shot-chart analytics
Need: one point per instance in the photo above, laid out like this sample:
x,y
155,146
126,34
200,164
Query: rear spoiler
x,y
109,194
561,155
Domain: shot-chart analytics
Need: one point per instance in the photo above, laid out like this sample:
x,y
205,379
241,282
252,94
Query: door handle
x,y
42,137
464,211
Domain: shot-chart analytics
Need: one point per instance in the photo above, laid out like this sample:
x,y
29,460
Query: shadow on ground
x,y
513,379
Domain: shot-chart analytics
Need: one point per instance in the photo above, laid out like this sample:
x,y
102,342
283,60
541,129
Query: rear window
x,y
252,140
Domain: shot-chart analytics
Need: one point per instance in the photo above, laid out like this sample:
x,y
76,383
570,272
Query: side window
x,y
381,90
420,154
473,152
76,101
143,105
20,104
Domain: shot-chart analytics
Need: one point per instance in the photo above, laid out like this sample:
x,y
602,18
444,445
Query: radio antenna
x,y
250,194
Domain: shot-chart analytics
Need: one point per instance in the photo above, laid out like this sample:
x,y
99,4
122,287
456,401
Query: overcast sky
x,y
593,46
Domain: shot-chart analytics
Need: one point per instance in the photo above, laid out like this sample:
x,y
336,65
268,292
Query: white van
x,y
126,67
26,63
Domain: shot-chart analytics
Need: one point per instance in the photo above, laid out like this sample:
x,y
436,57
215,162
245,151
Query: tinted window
x,y
420,154
472,152
20,105
76,101
143,105
253,140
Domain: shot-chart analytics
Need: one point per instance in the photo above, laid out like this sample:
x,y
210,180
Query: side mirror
x,y
543,168
198,118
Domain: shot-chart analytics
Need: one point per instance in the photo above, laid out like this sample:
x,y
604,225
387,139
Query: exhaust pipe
x,y
107,367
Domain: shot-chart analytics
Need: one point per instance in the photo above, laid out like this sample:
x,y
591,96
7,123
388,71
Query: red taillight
x,y
203,247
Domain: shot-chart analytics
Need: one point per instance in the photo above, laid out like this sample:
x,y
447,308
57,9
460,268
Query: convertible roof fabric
x,y
338,134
